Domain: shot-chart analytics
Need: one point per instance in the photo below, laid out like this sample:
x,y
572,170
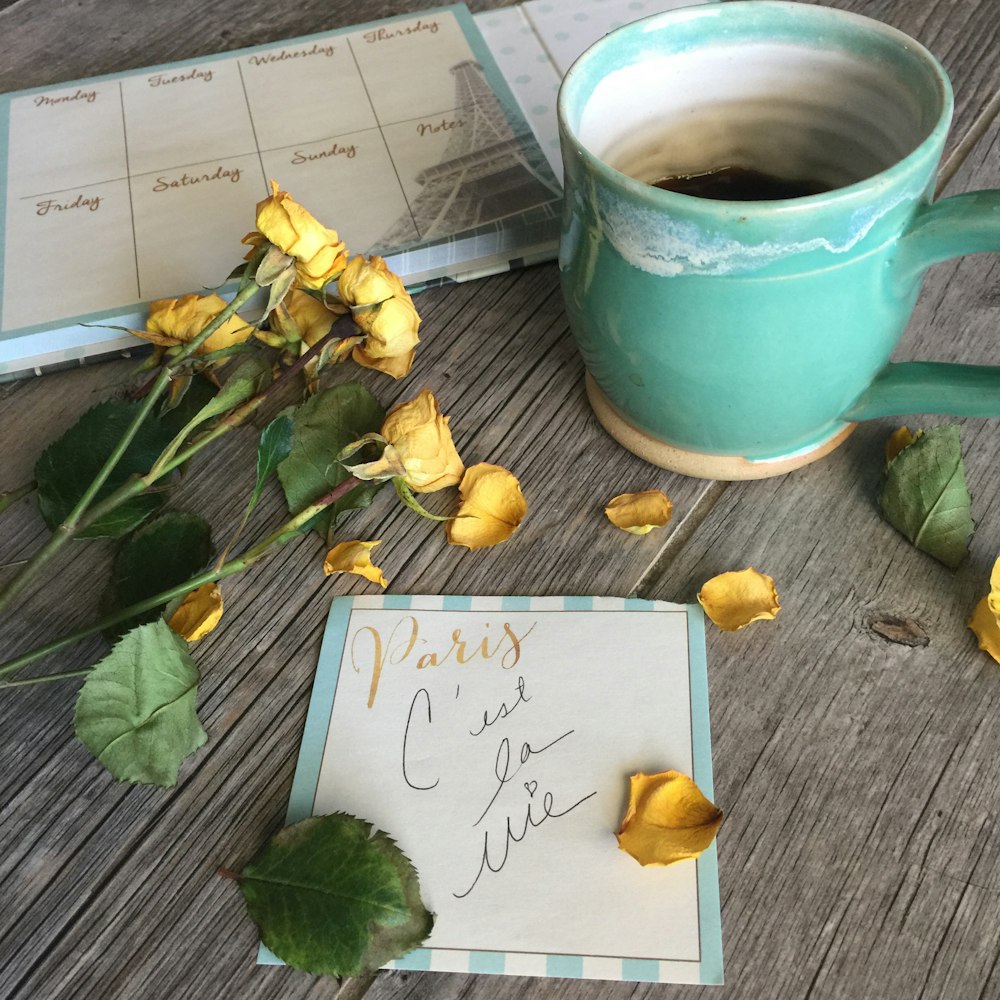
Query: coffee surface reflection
x,y
740,184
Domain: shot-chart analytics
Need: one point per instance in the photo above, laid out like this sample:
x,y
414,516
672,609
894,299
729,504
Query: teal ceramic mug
x,y
740,339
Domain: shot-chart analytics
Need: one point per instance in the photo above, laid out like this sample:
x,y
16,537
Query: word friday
x,y
404,645
510,824
92,203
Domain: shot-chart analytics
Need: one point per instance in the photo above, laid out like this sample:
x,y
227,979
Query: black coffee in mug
x,y
740,184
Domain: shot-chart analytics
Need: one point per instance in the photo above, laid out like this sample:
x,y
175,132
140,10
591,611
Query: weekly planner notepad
x,y
493,739
430,138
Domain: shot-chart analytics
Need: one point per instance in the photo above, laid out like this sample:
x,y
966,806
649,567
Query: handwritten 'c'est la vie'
x,y
404,645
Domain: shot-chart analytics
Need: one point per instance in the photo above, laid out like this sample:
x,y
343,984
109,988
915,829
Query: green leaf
x,y
160,555
136,710
331,898
69,465
274,447
324,425
924,496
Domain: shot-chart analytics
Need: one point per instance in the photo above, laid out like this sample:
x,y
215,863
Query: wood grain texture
x,y
859,775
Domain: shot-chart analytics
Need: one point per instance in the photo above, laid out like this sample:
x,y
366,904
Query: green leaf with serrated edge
x,y
160,555
136,710
274,447
324,425
332,898
68,466
924,496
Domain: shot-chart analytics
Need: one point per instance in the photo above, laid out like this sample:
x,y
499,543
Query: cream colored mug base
x,y
698,464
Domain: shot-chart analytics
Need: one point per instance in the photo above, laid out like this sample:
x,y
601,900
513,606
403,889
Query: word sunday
x,y
370,652
384,34
335,150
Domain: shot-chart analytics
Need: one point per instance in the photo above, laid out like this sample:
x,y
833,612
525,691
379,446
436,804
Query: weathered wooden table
x,y
860,776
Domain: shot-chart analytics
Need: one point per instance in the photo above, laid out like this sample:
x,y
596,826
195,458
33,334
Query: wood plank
x,y
110,891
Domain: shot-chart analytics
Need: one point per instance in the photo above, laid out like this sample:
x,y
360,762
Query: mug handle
x,y
962,224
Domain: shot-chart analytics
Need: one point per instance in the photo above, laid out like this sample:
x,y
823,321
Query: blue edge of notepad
x,y
565,966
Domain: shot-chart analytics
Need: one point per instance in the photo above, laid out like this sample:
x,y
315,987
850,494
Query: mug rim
x,y
896,172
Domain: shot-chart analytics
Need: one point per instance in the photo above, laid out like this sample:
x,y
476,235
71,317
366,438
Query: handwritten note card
x,y
493,738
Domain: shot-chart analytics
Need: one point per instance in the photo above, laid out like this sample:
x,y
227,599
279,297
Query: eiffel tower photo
x,y
487,171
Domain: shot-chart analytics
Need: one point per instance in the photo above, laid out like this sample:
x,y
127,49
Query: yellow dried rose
x,y
199,613
639,513
420,448
320,255
492,507
178,321
734,600
985,620
366,281
899,439
668,819
300,319
354,557
391,341
384,312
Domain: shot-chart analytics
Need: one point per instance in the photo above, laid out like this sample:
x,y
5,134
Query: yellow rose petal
x,y
899,439
354,557
734,600
198,613
668,819
319,253
993,600
310,320
492,507
179,321
368,281
984,623
391,339
639,513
